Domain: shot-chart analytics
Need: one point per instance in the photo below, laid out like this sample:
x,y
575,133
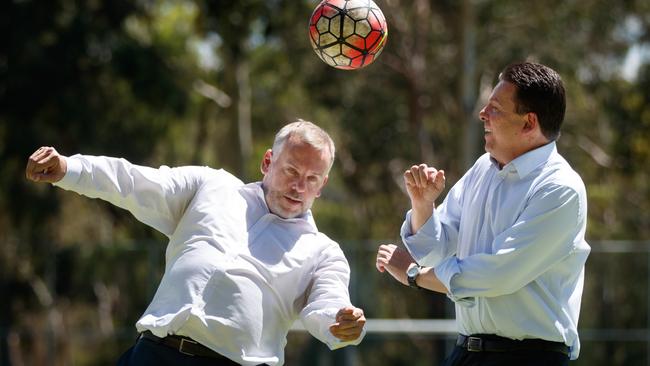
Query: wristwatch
x,y
412,274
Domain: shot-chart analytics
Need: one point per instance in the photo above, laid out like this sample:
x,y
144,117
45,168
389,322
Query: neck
x,y
530,147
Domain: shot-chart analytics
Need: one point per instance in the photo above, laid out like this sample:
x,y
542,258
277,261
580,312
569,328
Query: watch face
x,y
413,271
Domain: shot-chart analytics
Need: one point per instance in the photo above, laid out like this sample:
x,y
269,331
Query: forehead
x,y
303,155
504,93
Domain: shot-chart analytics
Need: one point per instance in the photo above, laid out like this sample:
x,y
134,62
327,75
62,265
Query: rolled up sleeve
x,y
545,233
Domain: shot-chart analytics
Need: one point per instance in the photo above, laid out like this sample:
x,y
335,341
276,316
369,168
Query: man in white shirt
x,y
244,261
507,244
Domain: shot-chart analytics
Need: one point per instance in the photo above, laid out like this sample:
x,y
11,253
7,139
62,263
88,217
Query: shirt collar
x,y
526,163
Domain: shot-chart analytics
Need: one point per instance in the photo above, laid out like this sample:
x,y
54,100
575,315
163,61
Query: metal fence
x,y
614,325
617,277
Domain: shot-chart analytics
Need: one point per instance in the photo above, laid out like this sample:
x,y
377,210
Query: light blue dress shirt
x,y
509,246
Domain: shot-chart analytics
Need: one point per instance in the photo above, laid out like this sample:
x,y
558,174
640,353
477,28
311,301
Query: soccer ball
x,y
348,34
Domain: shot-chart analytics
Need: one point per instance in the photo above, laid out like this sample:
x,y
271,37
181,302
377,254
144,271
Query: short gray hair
x,y
308,133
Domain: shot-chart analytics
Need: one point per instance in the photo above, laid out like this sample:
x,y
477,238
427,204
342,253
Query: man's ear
x,y
266,161
323,185
532,122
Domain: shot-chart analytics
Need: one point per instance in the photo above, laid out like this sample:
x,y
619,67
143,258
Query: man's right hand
x,y
46,165
424,184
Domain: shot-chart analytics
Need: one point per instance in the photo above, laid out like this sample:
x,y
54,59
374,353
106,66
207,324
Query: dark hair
x,y
539,90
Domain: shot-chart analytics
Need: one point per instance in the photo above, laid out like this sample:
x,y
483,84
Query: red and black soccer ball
x,y
348,34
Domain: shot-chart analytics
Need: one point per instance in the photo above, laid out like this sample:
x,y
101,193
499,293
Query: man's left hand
x,y
349,324
394,260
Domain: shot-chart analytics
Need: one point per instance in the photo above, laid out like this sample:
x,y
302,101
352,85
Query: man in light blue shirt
x,y
507,244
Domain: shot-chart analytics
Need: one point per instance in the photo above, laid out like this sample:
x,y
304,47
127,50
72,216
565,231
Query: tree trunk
x,y
244,106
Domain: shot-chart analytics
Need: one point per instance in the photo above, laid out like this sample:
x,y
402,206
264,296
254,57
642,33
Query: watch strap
x,y
412,279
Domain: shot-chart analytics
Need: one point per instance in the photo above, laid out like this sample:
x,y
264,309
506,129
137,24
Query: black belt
x,y
186,346
493,343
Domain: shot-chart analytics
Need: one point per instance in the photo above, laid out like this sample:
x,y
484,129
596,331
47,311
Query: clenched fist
x,y
46,165
424,184
349,324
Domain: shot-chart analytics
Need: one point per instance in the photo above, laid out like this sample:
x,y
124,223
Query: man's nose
x,y
300,184
482,115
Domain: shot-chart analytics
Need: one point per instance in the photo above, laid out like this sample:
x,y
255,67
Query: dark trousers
x,y
148,353
462,357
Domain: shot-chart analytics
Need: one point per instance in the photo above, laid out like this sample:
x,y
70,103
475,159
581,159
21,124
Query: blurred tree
x,y
72,77
209,82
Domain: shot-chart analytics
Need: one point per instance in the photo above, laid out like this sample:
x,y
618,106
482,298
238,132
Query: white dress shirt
x,y
236,276
509,246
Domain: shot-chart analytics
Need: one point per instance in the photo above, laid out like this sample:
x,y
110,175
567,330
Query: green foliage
x,y
172,82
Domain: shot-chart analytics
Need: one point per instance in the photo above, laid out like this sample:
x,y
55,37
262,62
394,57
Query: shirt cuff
x,y
446,271
72,174
421,244
336,343
320,321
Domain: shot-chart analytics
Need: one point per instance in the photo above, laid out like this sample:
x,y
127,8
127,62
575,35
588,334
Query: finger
x,y
344,336
415,172
49,161
423,173
349,327
353,329
439,179
383,258
352,316
29,169
382,264
41,168
386,247
408,178
345,319
46,156
431,174
47,151
42,172
345,310
385,250
380,267
379,262
38,151
41,177
415,175
32,161
36,161
33,169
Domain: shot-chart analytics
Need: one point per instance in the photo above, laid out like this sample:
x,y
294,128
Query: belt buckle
x,y
474,344
180,347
